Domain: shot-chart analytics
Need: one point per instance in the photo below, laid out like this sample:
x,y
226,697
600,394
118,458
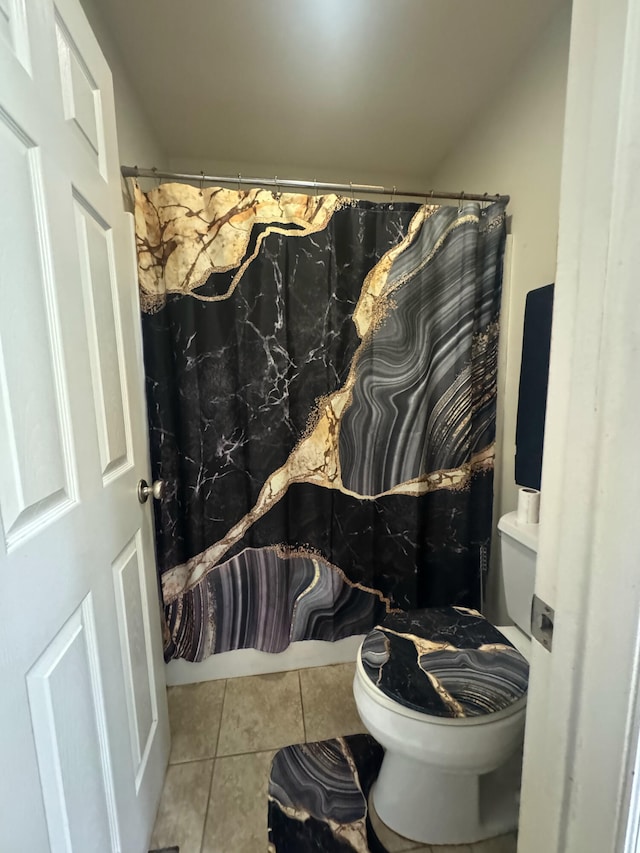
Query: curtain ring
x,y
155,174
277,192
461,202
315,184
201,182
393,195
239,180
351,185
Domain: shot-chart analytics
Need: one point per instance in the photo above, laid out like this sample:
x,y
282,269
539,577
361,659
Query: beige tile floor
x,y
224,735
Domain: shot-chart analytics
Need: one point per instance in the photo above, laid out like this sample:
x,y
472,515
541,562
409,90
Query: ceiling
x,y
357,86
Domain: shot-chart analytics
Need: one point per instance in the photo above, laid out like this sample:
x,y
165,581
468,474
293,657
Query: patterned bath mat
x,y
318,796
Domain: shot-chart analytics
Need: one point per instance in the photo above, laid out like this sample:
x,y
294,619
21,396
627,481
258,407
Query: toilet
x,y
444,692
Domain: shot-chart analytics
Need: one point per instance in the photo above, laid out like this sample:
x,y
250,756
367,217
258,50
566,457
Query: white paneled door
x,y
83,722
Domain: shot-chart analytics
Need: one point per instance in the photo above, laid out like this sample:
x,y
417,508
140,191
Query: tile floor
x,y
224,735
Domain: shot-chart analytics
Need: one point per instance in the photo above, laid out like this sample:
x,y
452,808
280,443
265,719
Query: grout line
x,y
304,722
198,760
213,767
206,812
256,751
224,698
191,760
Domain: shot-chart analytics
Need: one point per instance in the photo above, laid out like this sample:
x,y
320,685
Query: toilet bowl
x,y
451,723
444,692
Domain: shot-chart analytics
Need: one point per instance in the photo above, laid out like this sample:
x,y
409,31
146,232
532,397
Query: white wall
x,y
515,147
136,139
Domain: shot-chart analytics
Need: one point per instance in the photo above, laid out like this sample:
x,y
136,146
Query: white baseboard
x,y
251,662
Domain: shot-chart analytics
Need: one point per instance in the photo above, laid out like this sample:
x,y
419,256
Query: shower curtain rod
x,y
283,183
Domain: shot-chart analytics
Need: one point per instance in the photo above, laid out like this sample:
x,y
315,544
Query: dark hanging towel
x,y
534,378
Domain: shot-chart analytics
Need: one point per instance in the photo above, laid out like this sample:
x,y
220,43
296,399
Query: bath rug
x,y
318,796
166,850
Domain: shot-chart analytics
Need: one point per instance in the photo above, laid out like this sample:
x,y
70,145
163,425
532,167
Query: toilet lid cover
x,y
445,661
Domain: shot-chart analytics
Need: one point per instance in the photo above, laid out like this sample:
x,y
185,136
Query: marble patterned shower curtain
x,y
321,383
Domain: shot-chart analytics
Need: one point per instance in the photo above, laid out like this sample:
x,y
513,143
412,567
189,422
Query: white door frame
x,y
580,746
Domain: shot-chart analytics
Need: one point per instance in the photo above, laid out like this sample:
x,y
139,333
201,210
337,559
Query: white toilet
x,y
444,692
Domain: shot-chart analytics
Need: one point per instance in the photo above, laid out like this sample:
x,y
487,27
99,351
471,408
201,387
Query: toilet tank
x,y
518,550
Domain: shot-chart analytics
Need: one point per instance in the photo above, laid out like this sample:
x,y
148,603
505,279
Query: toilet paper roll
x,y
528,506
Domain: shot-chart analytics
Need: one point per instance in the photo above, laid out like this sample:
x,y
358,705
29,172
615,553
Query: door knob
x,y
156,490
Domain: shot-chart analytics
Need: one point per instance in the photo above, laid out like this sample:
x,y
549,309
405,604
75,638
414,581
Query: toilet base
x,y
423,804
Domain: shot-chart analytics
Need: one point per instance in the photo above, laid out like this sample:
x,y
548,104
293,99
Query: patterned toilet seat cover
x,y
445,662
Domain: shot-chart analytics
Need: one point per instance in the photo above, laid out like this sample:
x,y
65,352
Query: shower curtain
x,y
321,385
